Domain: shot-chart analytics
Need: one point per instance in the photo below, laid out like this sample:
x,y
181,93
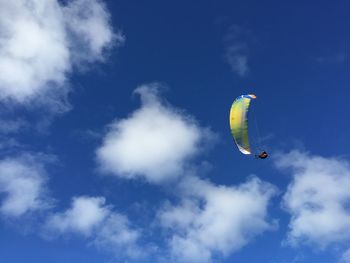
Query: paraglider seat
x,y
262,155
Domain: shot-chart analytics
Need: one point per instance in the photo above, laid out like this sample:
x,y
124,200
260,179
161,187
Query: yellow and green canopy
x,y
239,122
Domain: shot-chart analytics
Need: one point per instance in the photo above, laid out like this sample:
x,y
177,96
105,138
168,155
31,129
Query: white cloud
x,y
117,236
237,59
85,214
23,182
236,53
33,49
317,199
39,40
212,220
88,22
155,142
106,229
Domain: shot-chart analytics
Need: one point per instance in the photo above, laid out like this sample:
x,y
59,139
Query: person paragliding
x,y
239,125
262,155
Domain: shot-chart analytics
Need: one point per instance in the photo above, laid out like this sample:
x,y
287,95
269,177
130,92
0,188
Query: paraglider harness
x,y
262,155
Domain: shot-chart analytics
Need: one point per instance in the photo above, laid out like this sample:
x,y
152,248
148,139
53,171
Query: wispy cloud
x,y
237,49
41,41
346,256
89,30
11,126
215,219
335,59
119,237
154,142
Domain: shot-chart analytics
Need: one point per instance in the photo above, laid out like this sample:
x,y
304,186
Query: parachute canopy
x,y
239,122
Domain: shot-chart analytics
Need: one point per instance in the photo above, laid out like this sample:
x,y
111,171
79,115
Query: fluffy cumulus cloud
x,y
212,219
39,42
83,216
22,185
153,142
317,199
96,221
237,51
23,191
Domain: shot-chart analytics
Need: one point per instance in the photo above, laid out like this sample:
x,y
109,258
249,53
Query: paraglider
x,y
239,124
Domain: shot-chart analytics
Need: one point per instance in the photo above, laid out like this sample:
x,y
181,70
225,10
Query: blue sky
x,y
114,136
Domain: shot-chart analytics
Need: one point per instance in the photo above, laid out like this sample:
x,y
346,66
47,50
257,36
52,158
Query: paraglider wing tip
x,y
242,150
